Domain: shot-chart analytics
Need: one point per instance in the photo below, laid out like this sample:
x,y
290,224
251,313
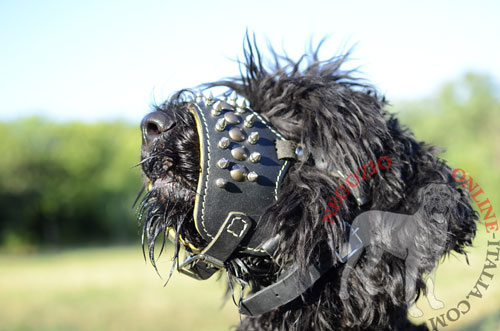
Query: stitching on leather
x,y
266,124
261,250
208,173
242,230
278,180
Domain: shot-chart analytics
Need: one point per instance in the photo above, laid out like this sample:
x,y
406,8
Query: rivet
x,y
239,153
223,163
232,118
254,157
252,176
238,173
220,125
250,120
236,134
253,138
223,143
220,182
299,153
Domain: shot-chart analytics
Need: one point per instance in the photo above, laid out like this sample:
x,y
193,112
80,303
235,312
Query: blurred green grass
x,y
105,289
115,289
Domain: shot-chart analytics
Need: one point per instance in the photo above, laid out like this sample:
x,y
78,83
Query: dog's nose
x,y
153,125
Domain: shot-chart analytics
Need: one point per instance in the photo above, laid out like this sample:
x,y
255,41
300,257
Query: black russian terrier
x,y
242,181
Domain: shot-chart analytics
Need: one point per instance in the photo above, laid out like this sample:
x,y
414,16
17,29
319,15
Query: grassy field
x,y
114,289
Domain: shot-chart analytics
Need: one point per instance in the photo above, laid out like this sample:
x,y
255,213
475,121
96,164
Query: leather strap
x,y
212,258
288,287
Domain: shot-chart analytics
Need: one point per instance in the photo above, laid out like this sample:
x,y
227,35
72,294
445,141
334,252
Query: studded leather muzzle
x,y
240,175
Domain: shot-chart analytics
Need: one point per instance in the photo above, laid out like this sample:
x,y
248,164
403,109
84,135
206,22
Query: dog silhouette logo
x,y
419,239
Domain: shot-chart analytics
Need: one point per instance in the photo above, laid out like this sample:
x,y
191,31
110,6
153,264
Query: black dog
x,y
419,239
244,188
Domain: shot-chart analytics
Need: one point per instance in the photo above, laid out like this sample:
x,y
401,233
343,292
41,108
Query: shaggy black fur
x,y
342,125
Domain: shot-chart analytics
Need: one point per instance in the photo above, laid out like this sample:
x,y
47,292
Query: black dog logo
x,y
419,239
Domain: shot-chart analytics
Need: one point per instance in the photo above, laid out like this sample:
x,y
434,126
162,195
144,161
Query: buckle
x,y
200,266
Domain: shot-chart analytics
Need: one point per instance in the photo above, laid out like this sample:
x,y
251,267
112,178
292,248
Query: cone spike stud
x,y
220,125
223,97
210,99
243,103
253,138
254,157
220,182
223,163
250,120
223,143
233,98
252,176
199,96
216,108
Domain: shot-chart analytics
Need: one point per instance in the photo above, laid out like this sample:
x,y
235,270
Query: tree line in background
x,y
74,183
71,183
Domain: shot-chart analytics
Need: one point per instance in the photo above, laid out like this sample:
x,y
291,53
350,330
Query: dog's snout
x,y
153,125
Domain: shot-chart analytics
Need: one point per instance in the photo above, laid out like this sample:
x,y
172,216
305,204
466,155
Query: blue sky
x,y
95,60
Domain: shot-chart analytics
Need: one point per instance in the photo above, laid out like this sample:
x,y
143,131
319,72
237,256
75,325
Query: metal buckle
x,y
346,257
187,267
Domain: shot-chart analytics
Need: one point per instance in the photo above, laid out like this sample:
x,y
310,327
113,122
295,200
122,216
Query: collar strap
x,y
288,288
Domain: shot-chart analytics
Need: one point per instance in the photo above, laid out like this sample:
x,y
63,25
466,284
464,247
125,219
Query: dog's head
x,y
439,201
331,125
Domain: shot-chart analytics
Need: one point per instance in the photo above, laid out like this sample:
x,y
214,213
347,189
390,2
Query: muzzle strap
x,y
218,251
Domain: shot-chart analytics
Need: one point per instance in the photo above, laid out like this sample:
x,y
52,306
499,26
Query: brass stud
x,y
238,173
239,153
220,125
216,108
223,163
252,176
236,134
220,182
223,143
232,118
254,157
253,138
250,120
